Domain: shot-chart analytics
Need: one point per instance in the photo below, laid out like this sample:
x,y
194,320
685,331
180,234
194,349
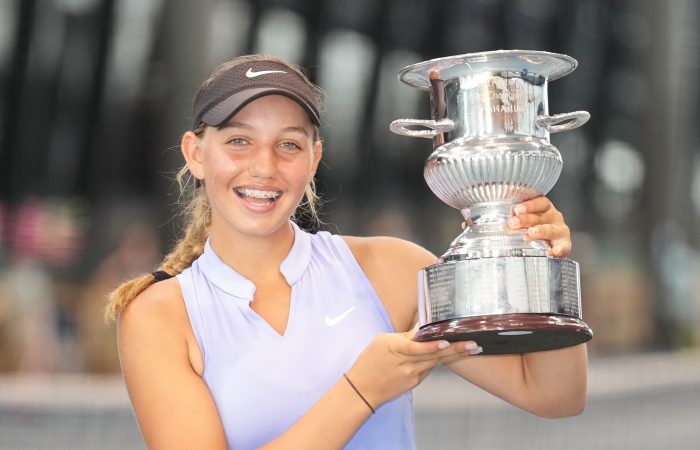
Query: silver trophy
x,y
490,128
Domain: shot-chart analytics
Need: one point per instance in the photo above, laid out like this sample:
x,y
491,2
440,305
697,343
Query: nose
x,y
264,163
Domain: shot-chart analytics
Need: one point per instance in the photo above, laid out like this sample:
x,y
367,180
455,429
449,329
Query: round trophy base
x,y
504,334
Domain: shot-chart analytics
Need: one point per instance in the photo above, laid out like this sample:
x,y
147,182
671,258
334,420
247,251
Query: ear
x,y
191,150
318,151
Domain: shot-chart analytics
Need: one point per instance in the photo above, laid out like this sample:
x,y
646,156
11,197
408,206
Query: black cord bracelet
x,y
358,393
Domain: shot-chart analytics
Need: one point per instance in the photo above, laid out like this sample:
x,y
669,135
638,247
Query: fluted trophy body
x,y
490,128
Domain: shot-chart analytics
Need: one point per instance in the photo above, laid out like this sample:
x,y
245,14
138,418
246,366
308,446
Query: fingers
x,y
533,206
410,347
558,236
461,351
447,350
543,222
560,247
548,232
535,212
533,220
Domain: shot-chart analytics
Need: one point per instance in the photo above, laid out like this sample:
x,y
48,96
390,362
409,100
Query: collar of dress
x,y
227,279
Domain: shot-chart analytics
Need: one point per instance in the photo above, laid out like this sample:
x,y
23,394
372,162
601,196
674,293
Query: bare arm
x,y
549,384
172,403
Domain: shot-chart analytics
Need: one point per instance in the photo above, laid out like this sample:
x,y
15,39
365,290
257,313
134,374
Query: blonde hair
x,y
197,209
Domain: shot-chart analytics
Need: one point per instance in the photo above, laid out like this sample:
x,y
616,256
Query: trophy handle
x,y
434,127
563,122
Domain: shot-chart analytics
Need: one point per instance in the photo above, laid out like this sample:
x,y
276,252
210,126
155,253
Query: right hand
x,y
394,363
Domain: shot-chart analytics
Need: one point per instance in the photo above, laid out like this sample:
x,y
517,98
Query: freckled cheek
x,y
298,174
222,168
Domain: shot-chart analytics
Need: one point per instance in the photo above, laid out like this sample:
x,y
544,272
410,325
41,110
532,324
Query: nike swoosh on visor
x,y
252,74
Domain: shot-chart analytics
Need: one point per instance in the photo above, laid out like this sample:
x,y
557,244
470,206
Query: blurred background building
x,y
94,95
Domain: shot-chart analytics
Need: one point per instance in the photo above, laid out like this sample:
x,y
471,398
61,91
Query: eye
x,y
290,145
238,141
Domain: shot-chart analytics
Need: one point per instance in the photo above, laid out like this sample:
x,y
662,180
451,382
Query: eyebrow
x,y
301,130
233,125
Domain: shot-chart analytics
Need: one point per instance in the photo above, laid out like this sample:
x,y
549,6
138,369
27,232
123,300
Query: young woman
x,y
254,333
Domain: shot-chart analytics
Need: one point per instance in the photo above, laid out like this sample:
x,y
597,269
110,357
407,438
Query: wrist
x,y
359,394
365,385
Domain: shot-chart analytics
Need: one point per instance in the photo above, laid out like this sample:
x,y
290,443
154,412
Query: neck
x,y
254,257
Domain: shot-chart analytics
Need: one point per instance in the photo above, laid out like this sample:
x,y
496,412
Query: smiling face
x,y
256,168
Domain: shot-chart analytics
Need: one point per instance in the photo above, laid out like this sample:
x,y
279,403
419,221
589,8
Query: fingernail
x,y
470,346
478,350
533,231
514,222
520,209
443,344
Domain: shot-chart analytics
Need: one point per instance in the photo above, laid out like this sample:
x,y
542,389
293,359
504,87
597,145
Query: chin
x,y
263,227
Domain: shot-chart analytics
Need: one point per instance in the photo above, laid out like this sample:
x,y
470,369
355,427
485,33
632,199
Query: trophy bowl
x,y
490,128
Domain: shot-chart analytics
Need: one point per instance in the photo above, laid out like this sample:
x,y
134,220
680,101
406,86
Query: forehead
x,y
273,107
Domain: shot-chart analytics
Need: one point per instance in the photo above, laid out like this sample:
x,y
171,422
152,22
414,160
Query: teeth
x,y
258,194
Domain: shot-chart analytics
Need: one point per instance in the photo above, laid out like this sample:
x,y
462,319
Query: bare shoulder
x,y
391,265
157,318
157,309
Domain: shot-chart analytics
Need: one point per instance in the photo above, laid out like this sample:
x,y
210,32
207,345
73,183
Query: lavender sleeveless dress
x,y
263,382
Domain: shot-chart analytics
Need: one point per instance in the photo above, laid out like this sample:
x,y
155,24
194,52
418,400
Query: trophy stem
x,y
487,211
487,234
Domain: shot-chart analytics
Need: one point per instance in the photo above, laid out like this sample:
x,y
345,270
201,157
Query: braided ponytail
x,y
197,213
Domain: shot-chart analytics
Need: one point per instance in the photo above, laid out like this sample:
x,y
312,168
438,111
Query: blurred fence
x,y
645,401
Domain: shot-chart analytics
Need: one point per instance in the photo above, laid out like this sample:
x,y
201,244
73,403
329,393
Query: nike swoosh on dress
x,y
333,321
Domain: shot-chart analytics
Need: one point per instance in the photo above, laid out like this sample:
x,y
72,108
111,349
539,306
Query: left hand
x,y
543,222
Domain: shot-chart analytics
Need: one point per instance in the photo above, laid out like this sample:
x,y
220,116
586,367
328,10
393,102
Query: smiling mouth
x,y
258,197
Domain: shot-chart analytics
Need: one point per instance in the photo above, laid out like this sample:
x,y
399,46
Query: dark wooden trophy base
x,y
504,334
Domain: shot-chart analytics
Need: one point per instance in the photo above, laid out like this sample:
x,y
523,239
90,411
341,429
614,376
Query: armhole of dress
x,y
194,311
350,260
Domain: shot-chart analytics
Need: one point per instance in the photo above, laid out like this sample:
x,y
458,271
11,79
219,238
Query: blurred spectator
x,y
42,234
49,231
30,317
137,251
